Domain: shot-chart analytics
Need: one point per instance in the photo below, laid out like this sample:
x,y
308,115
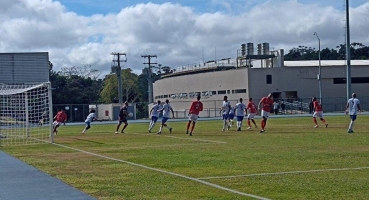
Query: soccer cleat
x,y
255,126
326,125
159,132
122,131
238,129
249,127
228,128
149,130
186,132
223,129
170,130
191,134
262,131
316,126
116,132
350,131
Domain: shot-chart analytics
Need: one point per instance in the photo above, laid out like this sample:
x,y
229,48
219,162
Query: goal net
x,y
25,113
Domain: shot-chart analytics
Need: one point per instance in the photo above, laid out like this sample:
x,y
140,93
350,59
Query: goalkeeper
x,y
60,117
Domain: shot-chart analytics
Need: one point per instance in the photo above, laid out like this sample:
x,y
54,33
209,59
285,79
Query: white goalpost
x,y
25,114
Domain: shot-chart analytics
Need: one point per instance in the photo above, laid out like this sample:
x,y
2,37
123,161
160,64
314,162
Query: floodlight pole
x,y
348,54
320,70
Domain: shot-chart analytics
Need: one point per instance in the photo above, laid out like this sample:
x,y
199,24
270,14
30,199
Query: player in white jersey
x,y
166,111
154,112
88,120
240,110
352,108
231,117
224,110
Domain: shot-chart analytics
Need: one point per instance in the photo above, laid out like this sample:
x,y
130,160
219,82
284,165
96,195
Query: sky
x,y
85,32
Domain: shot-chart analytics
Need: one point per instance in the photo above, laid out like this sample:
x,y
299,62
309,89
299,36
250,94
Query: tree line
x,y
358,51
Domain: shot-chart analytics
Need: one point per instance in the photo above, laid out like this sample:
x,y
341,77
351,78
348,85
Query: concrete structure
x,y
16,68
111,111
291,80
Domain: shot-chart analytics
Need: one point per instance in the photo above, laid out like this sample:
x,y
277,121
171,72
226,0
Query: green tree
x,y
130,88
74,88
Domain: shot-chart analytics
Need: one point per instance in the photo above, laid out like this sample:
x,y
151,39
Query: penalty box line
x,y
167,172
283,173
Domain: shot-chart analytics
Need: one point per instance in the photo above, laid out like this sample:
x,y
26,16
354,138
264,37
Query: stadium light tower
x,y
320,69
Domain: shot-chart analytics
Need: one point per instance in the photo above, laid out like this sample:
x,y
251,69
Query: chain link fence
x,y
79,112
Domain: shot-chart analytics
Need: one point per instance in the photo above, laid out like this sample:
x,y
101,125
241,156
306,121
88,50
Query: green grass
x,y
256,161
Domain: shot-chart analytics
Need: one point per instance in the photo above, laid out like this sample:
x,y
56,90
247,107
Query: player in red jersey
x,y
252,112
193,114
318,112
267,103
60,117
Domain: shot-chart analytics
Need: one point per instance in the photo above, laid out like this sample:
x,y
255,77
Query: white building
x,y
285,79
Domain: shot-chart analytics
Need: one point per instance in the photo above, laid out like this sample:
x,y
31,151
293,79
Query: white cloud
x,y
175,33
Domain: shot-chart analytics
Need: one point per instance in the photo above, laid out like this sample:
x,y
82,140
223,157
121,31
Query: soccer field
x,y
291,160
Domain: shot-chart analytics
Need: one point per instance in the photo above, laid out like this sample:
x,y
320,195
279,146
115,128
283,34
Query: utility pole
x,y
116,68
149,74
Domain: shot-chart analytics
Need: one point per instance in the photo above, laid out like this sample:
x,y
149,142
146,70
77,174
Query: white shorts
x,y
193,117
318,114
251,115
264,114
57,123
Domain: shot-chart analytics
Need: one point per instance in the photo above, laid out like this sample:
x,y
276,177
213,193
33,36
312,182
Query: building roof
x,y
312,63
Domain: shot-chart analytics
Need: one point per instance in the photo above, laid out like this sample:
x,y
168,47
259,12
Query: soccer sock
x,y
351,125
315,122
248,122
253,121
263,124
168,127
150,126
188,125
224,124
161,127
193,127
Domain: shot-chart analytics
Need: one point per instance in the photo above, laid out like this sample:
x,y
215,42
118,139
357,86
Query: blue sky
x,y
90,7
180,33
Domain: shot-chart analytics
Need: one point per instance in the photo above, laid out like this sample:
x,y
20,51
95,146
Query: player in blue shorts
x,y
240,110
224,110
154,112
166,110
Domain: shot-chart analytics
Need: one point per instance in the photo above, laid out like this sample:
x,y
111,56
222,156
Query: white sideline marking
x,y
166,172
201,140
282,173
